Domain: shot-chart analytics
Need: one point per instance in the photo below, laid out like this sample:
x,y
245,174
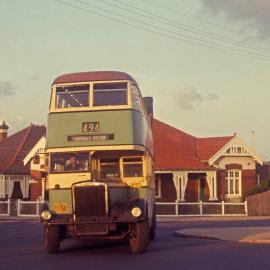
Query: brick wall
x,y
249,180
168,191
221,184
35,191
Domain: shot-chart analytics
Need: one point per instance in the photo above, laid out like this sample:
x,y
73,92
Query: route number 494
x,y
90,126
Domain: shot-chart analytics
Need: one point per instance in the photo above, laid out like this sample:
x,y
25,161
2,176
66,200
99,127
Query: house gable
x,y
37,147
235,149
14,148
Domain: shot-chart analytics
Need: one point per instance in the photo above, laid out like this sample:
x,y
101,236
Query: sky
x,y
205,62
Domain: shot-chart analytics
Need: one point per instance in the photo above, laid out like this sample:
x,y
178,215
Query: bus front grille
x,y
90,208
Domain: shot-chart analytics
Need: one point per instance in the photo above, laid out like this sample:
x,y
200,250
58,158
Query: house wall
x,y
35,188
192,193
192,190
168,191
249,180
247,163
40,166
194,186
35,191
221,184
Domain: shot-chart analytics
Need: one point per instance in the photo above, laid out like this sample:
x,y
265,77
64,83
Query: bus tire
x,y
152,233
52,239
139,238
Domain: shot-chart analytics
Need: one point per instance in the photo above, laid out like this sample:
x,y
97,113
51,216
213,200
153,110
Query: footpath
x,y
243,234
16,219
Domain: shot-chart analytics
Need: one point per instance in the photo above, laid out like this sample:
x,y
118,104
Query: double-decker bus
x,y
99,155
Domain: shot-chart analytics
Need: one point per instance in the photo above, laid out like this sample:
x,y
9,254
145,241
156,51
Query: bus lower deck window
x,y
133,167
106,94
67,162
109,168
72,96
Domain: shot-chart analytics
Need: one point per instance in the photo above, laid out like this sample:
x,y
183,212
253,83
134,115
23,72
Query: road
x,y
21,247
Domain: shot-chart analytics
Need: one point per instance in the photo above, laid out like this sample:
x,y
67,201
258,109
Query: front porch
x,y
14,186
186,186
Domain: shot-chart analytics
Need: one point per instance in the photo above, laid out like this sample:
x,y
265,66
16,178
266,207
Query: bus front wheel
x,y
139,238
52,239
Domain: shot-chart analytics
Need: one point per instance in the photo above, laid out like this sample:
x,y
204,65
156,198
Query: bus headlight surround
x,y
46,215
136,212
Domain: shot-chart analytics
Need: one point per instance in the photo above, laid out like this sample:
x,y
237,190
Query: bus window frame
x,y
121,161
58,96
91,106
102,90
106,163
70,171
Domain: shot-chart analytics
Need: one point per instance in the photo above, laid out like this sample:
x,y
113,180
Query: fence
x,y
164,209
258,205
29,208
5,208
176,209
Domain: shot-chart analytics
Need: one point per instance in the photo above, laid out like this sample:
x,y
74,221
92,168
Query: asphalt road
x,y
21,247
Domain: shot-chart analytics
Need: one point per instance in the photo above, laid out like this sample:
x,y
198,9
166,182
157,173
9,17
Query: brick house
x,y
188,168
15,179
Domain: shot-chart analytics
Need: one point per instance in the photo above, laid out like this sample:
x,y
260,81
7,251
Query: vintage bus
x,y
98,161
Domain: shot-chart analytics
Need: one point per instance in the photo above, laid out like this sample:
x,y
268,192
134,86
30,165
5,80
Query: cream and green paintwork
x,y
131,130
129,127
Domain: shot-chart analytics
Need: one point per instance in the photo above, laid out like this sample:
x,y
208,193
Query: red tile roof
x,y
208,147
175,149
14,149
93,76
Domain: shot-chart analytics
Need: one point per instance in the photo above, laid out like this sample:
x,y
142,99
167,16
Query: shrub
x,y
264,186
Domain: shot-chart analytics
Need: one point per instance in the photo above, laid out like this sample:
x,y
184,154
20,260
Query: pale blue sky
x,y
202,91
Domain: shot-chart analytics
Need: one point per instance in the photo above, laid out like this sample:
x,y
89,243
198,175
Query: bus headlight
x,y
136,212
46,215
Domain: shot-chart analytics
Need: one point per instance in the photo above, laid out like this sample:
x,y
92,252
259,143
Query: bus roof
x,y
93,76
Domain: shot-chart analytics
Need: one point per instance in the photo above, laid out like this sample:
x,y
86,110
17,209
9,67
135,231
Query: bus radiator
x,y
90,208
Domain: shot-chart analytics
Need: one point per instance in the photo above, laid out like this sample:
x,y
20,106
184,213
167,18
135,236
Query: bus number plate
x,y
90,126
60,207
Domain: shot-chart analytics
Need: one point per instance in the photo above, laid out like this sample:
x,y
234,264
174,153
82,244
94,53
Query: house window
x,y
36,159
233,183
158,186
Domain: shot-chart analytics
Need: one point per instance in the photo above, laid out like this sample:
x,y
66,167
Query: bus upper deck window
x,y
136,98
106,94
72,96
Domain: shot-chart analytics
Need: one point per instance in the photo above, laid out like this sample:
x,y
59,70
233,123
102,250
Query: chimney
x,y
3,131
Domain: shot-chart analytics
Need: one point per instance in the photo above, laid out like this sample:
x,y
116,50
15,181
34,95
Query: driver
x,y
73,164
